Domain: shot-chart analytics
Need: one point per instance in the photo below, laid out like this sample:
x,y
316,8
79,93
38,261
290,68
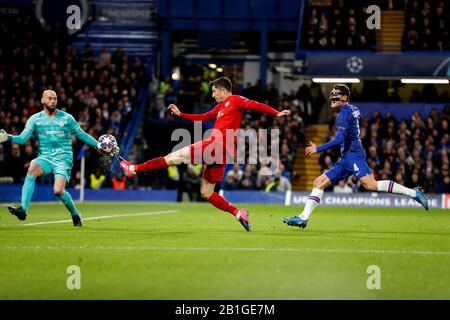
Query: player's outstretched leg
x,y
174,158
313,201
19,212
66,198
302,219
242,215
421,198
154,164
296,221
27,193
207,193
388,186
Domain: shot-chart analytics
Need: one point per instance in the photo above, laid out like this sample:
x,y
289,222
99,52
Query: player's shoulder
x,y
238,98
64,115
36,116
354,111
349,112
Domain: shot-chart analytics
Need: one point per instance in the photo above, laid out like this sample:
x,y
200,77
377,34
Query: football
x,y
107,143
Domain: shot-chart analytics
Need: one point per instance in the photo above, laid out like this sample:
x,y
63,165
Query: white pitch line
x,y
299,250
105,217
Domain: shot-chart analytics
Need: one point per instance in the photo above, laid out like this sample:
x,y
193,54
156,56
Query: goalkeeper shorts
x,y
49,166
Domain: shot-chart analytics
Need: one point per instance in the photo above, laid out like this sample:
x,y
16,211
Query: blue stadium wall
x,y
11,193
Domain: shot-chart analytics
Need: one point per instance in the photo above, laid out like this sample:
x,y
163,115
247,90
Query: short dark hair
x,y
222,82
345,91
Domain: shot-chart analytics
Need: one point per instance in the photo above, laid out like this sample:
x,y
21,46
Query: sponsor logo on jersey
x,y
355,112
227,104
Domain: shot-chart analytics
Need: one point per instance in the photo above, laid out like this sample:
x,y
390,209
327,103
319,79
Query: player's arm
x,y
208,116
24,135
82,135
340,136
258,106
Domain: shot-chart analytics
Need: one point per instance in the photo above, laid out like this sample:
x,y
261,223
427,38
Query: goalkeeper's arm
x,y
82,135
22,137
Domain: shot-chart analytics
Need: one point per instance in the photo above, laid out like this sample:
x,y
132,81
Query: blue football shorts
x,y
347,166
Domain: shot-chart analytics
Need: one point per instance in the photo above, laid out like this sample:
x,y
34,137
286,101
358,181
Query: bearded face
x,y
49,101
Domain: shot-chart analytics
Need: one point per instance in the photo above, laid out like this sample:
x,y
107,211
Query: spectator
x,y
336,28
444,185
119,182
233,178
248,180
96,180
426,25
97,92
342,187
191,181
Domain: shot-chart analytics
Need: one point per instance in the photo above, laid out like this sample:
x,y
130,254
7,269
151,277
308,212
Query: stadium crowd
x,y
98,90
412,152
426,25
193,94
341,26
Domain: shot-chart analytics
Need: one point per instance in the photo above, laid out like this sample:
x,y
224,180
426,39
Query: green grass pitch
x,y
194,251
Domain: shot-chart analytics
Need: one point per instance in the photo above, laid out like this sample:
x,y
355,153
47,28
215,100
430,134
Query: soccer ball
x,y
107,143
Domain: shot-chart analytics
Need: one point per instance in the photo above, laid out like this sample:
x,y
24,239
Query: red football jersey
x,y
228,113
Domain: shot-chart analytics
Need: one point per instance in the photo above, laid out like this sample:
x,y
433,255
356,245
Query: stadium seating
x,y
100,89
426,25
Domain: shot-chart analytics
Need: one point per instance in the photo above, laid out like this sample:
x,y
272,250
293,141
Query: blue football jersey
x,y
347,123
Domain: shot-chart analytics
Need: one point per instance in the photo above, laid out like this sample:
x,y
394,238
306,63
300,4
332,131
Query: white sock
x,y
393,187
312,202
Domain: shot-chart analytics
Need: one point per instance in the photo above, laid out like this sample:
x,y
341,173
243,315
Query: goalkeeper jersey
x,y
54,135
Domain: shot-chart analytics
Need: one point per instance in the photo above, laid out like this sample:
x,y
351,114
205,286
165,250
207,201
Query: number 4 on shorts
x,y
355,167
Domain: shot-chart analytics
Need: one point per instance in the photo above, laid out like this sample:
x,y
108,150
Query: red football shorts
x,y
212,172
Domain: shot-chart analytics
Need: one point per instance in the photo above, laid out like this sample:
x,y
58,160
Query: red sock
x,y
219,202
154,164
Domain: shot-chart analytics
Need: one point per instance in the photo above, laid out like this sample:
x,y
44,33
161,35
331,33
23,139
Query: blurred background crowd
x,y
100,91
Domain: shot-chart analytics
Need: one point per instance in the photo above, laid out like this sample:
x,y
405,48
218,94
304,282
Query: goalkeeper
x,y
53,129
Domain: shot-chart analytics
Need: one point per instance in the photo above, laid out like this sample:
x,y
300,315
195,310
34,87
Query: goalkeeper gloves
x,y
3,136
114,152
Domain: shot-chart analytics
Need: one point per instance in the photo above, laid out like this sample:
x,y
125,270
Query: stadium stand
x,y
426,25
98,90
340,26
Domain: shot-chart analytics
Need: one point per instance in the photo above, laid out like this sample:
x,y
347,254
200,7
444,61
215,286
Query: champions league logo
x,y
443,70
355,64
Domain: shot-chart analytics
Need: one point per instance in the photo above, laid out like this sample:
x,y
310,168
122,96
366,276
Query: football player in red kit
x,y
228,114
